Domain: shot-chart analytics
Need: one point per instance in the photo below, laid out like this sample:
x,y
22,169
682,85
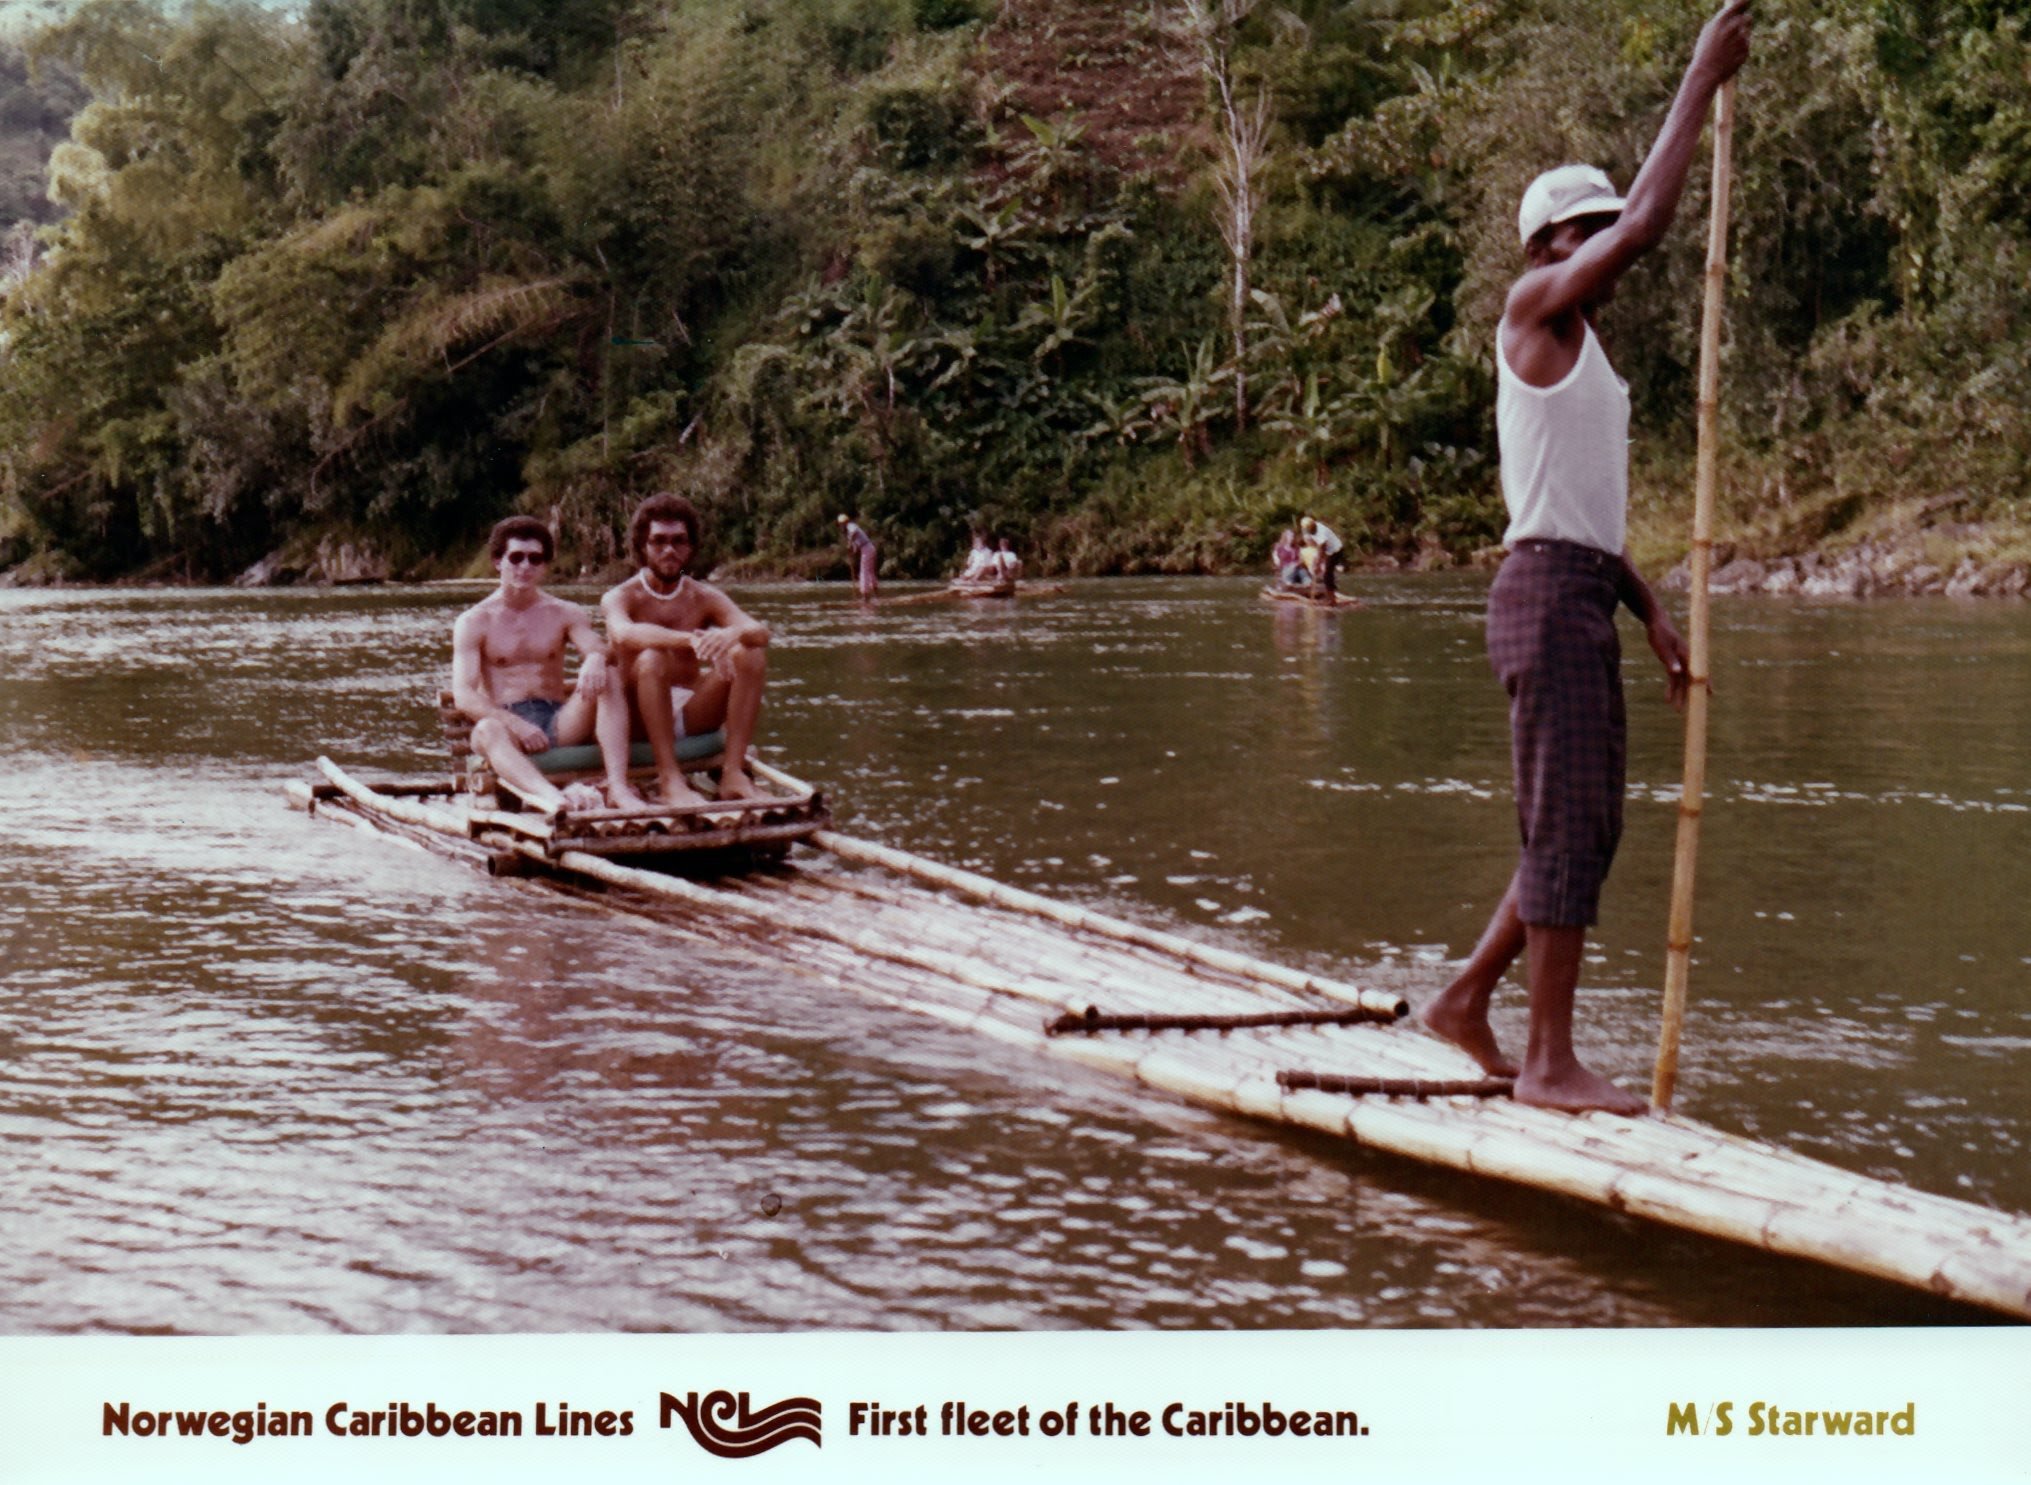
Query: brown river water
x,y
261,1073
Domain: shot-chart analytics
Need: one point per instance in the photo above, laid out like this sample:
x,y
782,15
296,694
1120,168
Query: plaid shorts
x,y
1552,641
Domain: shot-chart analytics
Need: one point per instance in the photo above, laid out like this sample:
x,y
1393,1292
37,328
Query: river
x,y
265,1074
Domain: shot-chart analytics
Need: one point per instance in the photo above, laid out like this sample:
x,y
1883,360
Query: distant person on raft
x,y
860,552
689,660
983,565
507,669
1562,423
1291,571
1326,540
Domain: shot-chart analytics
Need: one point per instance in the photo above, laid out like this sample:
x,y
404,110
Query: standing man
x,y
689,659
1331,549
507,670
1562,420
860,552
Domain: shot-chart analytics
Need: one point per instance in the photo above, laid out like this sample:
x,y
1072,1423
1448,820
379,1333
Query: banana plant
x,y
1061,319
1315,425
999,235
1184,406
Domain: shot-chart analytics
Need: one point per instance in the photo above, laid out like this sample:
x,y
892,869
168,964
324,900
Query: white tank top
x,y
1565,452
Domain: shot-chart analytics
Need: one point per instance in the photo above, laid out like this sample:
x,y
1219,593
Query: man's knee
x,y
750,661
652,668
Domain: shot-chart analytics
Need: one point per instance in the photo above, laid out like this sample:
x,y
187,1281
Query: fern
x,y
474,322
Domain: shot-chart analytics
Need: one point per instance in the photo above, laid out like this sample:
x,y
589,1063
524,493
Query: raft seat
x,y
579,760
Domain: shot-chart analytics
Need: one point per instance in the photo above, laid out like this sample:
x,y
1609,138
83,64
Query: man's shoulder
x,y
479,614
564,611
626,595
1532,306
1526,341
557,604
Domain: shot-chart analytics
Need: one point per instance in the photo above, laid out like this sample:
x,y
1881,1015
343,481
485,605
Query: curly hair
x,y
528,528
661,507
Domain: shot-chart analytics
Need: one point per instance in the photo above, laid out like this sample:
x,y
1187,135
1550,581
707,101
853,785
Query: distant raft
x,y
960,589
1310,597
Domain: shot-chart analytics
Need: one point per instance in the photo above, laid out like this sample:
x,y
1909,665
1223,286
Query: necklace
x,y
642,577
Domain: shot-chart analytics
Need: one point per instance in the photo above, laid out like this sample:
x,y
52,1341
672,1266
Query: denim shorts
x,y
542,712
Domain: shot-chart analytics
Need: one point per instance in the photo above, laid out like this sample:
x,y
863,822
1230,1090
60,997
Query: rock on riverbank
x,y
1869,570
332,561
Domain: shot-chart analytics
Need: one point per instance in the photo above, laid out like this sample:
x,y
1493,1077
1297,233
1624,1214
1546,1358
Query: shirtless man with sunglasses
x,y
688,659
507,670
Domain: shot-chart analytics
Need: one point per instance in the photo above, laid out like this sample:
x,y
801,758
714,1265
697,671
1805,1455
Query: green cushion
x,y
584,758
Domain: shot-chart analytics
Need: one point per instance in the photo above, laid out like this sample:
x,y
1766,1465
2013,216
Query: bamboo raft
x,y
1240,1034
960,589
1277,593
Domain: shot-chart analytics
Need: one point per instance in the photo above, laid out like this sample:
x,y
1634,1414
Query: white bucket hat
x,y
1562,194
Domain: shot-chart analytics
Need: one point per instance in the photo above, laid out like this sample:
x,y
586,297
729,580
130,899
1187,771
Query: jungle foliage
x,y
397,267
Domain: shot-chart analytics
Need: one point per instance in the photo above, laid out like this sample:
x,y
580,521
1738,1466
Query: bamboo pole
x,y
1679,933
1126,972
398,809
975,885
860,939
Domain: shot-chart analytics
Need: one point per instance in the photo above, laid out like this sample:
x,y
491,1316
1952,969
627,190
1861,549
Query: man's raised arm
x,y
1585,277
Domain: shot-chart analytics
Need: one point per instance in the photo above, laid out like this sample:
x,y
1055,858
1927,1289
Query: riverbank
x,y
1867,571
1897,559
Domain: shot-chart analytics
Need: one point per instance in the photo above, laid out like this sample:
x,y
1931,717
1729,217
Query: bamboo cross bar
x,y
396,789
1692,794
526,824
1293,1082
654,812
1094,1021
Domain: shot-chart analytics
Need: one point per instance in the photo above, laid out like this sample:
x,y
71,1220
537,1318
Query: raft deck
x,y
1236,1033
490,812
1309,597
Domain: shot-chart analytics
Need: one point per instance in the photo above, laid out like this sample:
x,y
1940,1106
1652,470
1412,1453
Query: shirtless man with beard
x,y
688,659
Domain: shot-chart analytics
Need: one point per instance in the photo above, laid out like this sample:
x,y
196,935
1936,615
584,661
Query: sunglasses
x,y
679,540
532,559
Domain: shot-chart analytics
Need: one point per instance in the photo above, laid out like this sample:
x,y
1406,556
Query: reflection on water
x,y
263,1073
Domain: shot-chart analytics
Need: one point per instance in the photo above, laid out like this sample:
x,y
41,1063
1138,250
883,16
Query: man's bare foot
x,y
734,783
1577,1090
625,797
547,801
677,793
1469,1032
